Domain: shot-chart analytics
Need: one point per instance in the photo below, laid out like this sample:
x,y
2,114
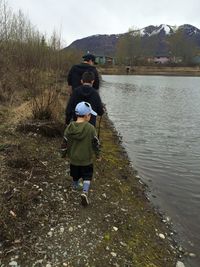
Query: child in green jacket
x,y
80,143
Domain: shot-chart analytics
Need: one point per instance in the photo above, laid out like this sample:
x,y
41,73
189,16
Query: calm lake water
x,y
159,120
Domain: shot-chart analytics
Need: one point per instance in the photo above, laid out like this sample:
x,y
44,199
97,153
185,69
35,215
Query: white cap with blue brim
x,y
84,108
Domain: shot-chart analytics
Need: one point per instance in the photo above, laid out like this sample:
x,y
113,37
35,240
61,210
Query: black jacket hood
x,y
85,90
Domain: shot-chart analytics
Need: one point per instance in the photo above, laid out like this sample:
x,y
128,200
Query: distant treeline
x,y
133,49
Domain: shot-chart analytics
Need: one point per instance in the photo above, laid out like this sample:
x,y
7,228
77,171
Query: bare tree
x,y
29,62
182,47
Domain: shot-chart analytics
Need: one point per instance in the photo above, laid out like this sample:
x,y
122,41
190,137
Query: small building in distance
x,y
161,59
105,60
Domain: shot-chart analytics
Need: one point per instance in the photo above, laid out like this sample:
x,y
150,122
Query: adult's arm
x,y
96,83
69,77
100,108
69,111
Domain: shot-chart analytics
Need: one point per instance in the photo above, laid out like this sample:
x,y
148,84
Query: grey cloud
x,y
82,19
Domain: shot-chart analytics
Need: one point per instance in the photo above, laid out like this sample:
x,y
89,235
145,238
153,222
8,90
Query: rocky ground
x,y
42,222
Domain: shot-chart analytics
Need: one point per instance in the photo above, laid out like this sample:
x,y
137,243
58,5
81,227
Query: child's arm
x,y
96,146
69,111
64,147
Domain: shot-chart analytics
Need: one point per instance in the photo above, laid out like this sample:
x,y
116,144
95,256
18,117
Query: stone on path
x,y
180,264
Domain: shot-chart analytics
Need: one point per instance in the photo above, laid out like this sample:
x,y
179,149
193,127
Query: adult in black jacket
x,y
86,93
76,72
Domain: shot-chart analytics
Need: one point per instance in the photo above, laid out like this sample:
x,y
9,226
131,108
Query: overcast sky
x,y
76,19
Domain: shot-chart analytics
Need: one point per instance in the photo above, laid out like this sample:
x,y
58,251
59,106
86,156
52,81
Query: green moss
x,y
107,237
143,245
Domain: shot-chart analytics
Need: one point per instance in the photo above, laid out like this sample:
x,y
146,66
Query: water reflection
x,y
158,118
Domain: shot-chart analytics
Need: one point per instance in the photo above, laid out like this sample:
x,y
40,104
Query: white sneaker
x,y
84,199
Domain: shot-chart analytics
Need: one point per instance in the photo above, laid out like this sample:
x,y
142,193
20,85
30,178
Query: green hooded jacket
x,y
81,143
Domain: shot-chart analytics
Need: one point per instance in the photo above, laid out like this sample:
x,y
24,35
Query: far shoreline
x,y
151,70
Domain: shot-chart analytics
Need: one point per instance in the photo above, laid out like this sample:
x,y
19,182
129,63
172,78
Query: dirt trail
x,y
42,222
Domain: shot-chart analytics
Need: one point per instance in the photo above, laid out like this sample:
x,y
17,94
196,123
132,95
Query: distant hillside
x,y
100,44
104,44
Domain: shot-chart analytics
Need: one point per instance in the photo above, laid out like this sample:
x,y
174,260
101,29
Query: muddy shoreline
x,y
43,223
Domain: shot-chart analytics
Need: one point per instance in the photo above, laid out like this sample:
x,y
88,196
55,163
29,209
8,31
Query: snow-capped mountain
x,y
104,44
153,30
190,30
